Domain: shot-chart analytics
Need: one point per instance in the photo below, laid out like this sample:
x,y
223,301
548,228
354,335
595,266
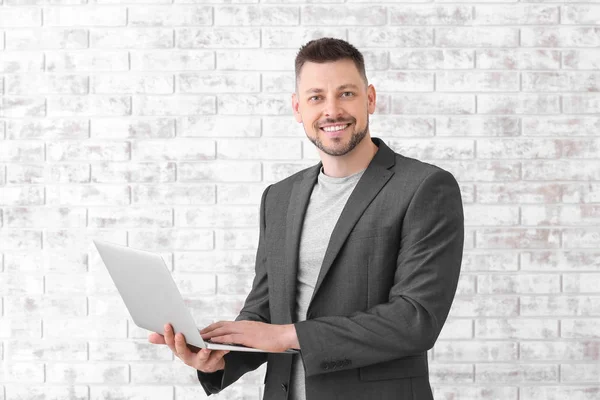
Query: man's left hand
x,y
269,337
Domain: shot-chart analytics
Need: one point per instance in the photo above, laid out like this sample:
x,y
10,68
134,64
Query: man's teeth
x,y
335,128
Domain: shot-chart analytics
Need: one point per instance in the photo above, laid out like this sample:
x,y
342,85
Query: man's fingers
x,y
182,350
231,338
213,326
214,362
156,338
169,337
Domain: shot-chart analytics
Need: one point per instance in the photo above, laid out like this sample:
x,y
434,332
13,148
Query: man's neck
x,y
351,163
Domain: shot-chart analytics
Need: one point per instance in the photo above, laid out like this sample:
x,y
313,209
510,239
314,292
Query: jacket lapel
x,y
373,180
296,211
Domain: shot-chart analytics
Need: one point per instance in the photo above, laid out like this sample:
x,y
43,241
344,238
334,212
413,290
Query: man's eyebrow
x,y
342,87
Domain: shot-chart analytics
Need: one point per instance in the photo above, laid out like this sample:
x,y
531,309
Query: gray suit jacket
x,y
383,292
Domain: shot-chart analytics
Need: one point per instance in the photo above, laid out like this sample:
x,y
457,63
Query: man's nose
x,y
333,107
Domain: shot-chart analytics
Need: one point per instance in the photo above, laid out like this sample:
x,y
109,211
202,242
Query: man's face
x,y
329,96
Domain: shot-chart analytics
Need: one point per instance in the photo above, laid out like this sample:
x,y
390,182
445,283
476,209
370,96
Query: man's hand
x,y
269,337
204,360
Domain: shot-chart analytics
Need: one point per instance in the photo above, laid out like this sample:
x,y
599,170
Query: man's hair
x,y
328,50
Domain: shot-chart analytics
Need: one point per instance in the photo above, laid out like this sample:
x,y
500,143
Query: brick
x,y
47,392
522,14
20,17
561,125
560,36
172,194
276,171
47,39
172,60
173,105
225,261
579,372
41,261
396,81
278,82
581,59
85,328
390,37
217,38
21,174
22,107
131,38
97,105
581,104
349,15
521,59
585,193
234,283
581,306
395,126
516,373
588,14
513,238
22,195
248,104
46,84
580,328
485,306
103,307
560,170
46,306
560,392
235,193
22,151
572,260
17,285
48,129
219,126
482,171
86,151
217,217
560,81
167,374
254,15
80,238
32,217
472,350
87,62
252,60
134,128
173,149
134,84
519,193
151,172
72,373
89,16
21,373
426,59
83,195
559,351
457,329
20,240
153,392
284,126
518,284
431,15
518,104
80,284
21,62
433,104
450,373
131,217
222,82
477,37
432,149
195,285
469,392
481,81
172,239
259,149
466,285
477,126
518,148
236,239
583,215
286,37
580,238
23,328
219,171
516,328
46,350
171,15
65,173
490,261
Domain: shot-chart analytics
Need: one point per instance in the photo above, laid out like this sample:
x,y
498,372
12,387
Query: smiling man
x,y
358,256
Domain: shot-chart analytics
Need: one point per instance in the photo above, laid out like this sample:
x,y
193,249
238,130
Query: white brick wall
x,y
158,125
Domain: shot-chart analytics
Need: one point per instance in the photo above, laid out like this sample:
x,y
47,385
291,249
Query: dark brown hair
x,y
327,50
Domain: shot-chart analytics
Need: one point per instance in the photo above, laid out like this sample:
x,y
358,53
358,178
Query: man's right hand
x,y
204,360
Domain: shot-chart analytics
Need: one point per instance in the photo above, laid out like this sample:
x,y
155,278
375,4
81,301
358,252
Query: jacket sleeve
x,y
256,308
427,271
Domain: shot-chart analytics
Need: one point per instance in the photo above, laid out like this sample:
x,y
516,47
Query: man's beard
x,y
355,139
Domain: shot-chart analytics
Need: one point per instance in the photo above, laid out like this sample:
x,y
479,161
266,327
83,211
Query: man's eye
x,y
313,97
349,93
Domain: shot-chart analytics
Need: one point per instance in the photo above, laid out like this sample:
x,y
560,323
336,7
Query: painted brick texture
x,y
158,123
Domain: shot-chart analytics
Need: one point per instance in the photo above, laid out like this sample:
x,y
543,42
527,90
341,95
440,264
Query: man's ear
x,y
371,99
295,108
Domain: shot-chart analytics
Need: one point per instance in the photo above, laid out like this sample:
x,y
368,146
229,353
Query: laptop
x,y
151,295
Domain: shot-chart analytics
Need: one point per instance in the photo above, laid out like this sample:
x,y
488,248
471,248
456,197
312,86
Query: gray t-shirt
x,y
328,198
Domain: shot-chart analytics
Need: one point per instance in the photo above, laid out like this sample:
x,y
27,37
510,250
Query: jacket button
x,y
284,387
325,365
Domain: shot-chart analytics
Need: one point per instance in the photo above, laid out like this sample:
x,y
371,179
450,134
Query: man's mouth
x,y
335,128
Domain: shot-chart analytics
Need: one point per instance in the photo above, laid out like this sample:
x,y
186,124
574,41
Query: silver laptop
x,y
151,295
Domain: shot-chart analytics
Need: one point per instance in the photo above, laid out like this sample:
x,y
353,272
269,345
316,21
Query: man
x,y
358,257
